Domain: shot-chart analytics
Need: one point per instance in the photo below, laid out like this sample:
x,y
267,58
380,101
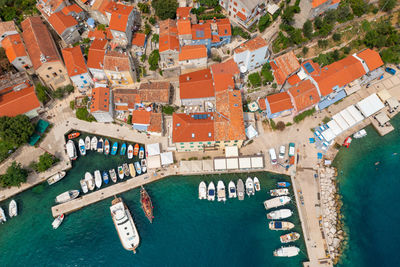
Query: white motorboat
x,y
211,192
124,225
113,175
84,186
100,145
279,214
291,237
2,216
276,202
120,172
143,165
221,194
67,196
130,152
232,190
257,184
202,190
89,180
55,178
71,150
287,251
279,192
82,148
93,143
97,179
87,143
240,189
274,225
249,186
57,221
360,134
12,209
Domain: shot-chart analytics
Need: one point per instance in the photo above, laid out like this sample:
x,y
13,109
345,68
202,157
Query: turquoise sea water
x,y
371,199
185,232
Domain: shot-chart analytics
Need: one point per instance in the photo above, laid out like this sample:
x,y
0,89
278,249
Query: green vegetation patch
x,y
304,115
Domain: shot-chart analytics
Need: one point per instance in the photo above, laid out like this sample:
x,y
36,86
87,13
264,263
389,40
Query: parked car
x,y
291,149
282,150
398,67
272,155
390,70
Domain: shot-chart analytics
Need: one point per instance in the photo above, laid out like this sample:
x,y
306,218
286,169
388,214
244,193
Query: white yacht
x,y
57,221
84,186
12,209
89,180
124,225
87,143
240,189
257,184
291,237
211,192
221,191
71,150
93,143
82,148
202,190
232,190
287,251
100,145
55,178
279,225
276,202
360,134
2,216
97,179
249,186
279,192
67,196
279,214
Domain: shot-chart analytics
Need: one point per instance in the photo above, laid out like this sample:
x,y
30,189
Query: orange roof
x,y
305,95
196,84
19,102
201,31
285,65
292,80
168,26
168,42
261,104
183,12
371,58
109,34
155,122
228,66
223,81
61,22
7,26
100,99
214,38
279,102
189,52
185,128
184,27
101,5
317,3
155,92
116,61
241,16
141,117
74,61
96,54
72,8
130,97
252,45
121,108
224,27
14,47
119,16
97,34
138,39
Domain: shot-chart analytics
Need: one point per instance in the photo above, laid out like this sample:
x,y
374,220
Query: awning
x,y
244,163
208,165
153,149
257,162
251,132
384,95
348,118
370,105
392,102
231,151
334,127
382,118
340,121
232,164
328,134
355,113
219,164
153,162
167,158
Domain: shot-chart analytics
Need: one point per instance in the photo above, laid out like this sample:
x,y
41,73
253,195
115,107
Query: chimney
x,y
187,78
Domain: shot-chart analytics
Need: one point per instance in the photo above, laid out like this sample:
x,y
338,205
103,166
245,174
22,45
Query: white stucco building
x,y
252,54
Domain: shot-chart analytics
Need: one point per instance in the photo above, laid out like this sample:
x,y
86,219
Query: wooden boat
x,y
136,150
57,221
141,152
240,189
143,163
120,172
55,178
138,168
147,205
126,169
279,192
100,146
113,175
347,142
105,177
257,184
84,186
67,196
87,142
90,181
283,184
93,143
74,135
123,150
12,209
132,170
82,148
114,148
130,152
279,225
291,237
106,147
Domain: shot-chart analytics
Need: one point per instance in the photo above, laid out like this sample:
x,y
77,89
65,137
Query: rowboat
x,y
97,178
147,205
143,163
114,148
126,169
136,150
130,152
113,175
67,196
283,184
106,147
87,142
105,177
73,135
100,146
12,209
89,180
123,149
55,178
120,172
141,152
132,170
93,143
84,186
291,237
257,184
57,221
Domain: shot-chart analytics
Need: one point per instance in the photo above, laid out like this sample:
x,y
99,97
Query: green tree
x,y
387,5
83,114
42,92
165,9
153,59
264,22
336,37
144,8
359,7
155,38
101,27
14,176
16,130
322,43
147,29
45,162
305,50
343,12
308,29
209,3
152,20
255,79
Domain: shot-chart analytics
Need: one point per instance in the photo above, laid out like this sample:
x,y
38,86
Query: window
x,y
47,76
191,143
60,71
49,68
55,74
23,62
234,9
235,3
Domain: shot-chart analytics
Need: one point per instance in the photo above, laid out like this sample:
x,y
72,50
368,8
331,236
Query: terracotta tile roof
x,y
279,102
229,67
285,65
38,41
229,123
223,26
109,34
196,84
14,103
100,99
305,95
72,8
121,108
74,61
292,80
338,74
252,45
214,38
189,52
14,47
241,16
130,97
61,22
7,26
141,117
184,27
155,123
185,128
138,39
312,66
371,58
261,104
53,5
168,26
223,82
117,61
101,5
119,16
96,54
201,31
155,92
316,3
183,12
97,34
168,42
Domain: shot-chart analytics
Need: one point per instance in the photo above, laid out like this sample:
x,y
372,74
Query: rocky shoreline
x,y
332,225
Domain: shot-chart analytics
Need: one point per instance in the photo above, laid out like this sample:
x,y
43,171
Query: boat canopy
x,y
278,225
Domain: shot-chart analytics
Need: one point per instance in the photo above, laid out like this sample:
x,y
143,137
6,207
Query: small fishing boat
x,y
84,186
202,190
100,146
211,192
221,191
114,148
240,189
360,134
120,172
279,214
126,169
3,218
132,170
232,190
276,202
287,251
106,147
67,196
274,225
71,150
87,142
82,148
55,178
105,177
113,175
143,163
291,237
89,180
257,184
97,178
283,184
12,208
347,142
279,192
141,152
138,167
147,205
93,143
130,152
249,187
74,135
57,221
136,150
123,150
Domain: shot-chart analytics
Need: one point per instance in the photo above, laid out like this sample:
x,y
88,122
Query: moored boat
x,y
105,177
106,147
287,251
276,202
87,143
291,237
56,177
257,185
232,189
12,209
71,150
113,175
57,221
82,148
114,148
123,150
97,178
100,146
221,193
147,205
211,192
120,172
347,142
143,164
132,170
249,186
130,152
126,169
240,189
74,135
360,134
202,190
141,152
283,184
138,168
67,196
3,218
89,180
93,143
274,225
279,214
279,192
136,150
84,186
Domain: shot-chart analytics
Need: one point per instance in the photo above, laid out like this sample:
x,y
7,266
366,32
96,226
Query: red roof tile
x,y
261,104
252,45
155,123
141,117
7,26
72,8
96,54
183,12
189,52
114,61
201,31
228,66
184,27
138,39
196,84
61,22
285,65
292,80
241,16
119,16
74,61
305,95
130,97
223,82
168,26
19,102
168,42
100,99
185,128
279,102
371,58
97,34
224,27
155,92
14,47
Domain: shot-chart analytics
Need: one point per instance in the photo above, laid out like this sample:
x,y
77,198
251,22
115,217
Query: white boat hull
x,y
211,192
232,190
97,179
13,209
221,193
202,190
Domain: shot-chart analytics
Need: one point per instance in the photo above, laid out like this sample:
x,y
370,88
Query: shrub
x,y
72,104
83,114
322,43
289,124
264,22
129,121
169,109
255,79
42,93
239,31
14,176
152,20
274,85
153,59
336,37
280,126
45,162
303,115
143,58
272,124
305,50
326,120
